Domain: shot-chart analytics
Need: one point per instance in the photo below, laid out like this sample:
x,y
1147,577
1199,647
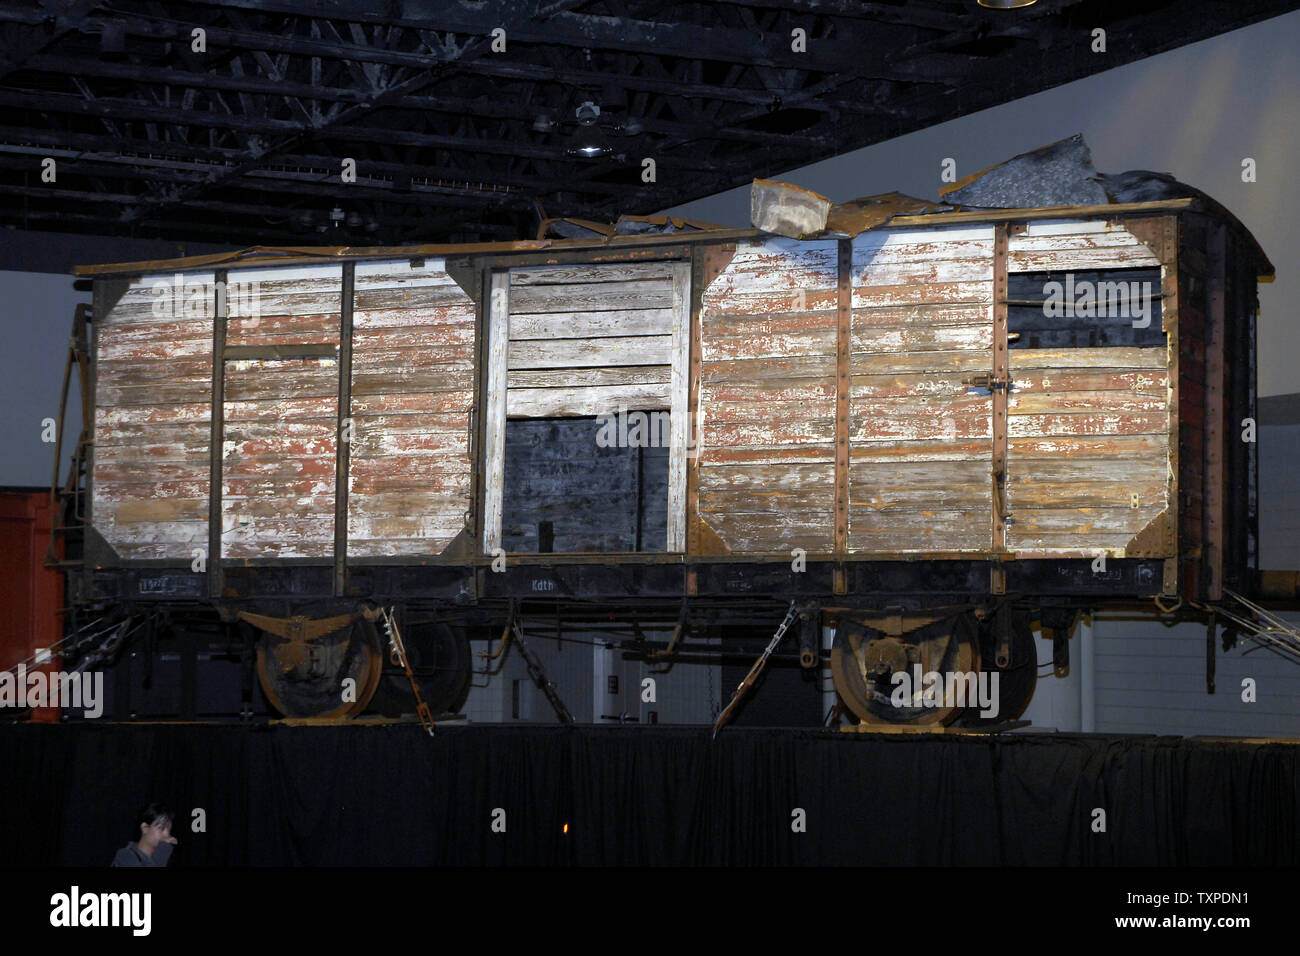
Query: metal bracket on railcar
x,y
757,669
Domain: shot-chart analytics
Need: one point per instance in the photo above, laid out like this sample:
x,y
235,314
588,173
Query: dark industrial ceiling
x,y
244,142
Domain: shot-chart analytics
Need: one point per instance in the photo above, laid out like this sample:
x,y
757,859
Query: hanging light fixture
x,y
589,142
1006,4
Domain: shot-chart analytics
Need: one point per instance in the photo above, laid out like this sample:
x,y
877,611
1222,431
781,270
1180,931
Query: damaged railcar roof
x,y
1054,181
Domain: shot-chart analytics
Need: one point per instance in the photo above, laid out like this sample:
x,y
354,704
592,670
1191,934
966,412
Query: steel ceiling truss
x,y
455,139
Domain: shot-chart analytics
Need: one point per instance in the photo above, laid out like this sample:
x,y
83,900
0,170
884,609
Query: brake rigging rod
x,y
754,671
397,654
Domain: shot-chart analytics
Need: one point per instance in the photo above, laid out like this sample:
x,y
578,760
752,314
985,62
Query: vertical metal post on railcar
x,y
342,444
216,435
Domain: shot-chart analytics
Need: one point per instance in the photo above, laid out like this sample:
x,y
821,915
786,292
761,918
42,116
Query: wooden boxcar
x,y
920,432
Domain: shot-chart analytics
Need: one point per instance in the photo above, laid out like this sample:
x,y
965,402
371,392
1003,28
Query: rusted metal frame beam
x,y
1214,502
343,434
216,438
700,280
999,386
1169,310
843,343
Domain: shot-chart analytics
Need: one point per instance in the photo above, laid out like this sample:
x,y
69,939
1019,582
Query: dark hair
x,y
150,814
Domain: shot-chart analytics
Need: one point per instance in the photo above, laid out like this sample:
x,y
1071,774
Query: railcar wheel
x,y
304,678
864,661
1018,680
440,659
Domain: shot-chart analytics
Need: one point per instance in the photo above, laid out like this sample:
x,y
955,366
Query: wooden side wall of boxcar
x,y
768,329
153,374
414,362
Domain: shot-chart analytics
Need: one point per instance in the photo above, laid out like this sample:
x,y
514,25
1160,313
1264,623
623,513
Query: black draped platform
x,y
357,795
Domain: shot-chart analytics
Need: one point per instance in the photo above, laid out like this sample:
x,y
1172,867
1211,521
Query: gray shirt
x,y
132,855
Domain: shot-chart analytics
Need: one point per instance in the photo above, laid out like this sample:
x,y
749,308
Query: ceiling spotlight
x,y
589,142
1006,4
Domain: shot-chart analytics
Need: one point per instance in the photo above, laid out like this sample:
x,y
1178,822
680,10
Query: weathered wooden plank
x,y
154,350
591,297
586,400
414,443
419,546
572,325
400,269
136,453
133,511
190,435
374,357
418,337
441,526
932,385
928,271
767,303
719,413
616,375
800,390
971,405
869,251
173,538
942,339
324,408
431,378
811,531
713,456
582,273
913,427
971,498
788,476
116,416
412,299
939,293
942,449
1092,494
867,474
803,432
170,475
452,486
1120,521
923,315
773,369
410,403
721,325
729,348
458,312
1056,447
1087,470
1086,423
1148,382
581,353
750,501
912,363
1114,359
1031,403
918,540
